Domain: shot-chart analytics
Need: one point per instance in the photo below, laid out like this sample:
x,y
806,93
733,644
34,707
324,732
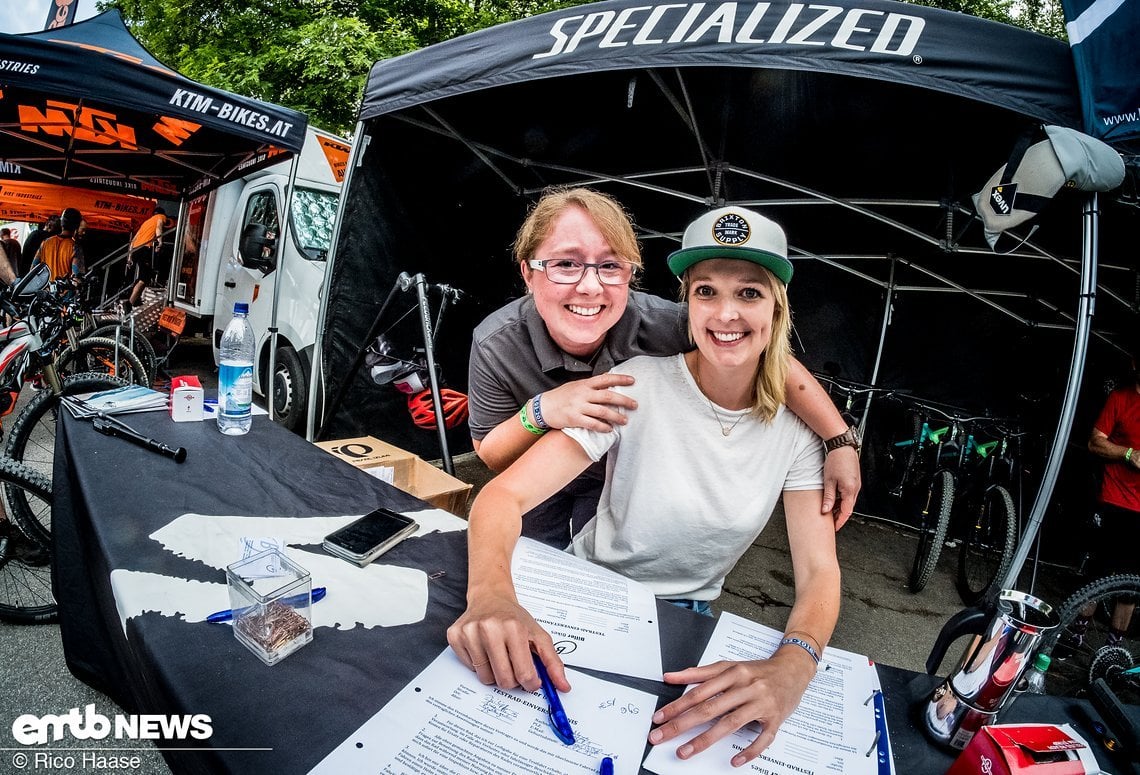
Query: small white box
x,y
185,399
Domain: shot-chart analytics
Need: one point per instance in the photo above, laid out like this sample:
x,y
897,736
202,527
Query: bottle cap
x,y
1042,662
241,308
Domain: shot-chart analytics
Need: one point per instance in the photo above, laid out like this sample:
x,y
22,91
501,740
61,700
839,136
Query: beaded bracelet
x,y
536,412
527,423
803,644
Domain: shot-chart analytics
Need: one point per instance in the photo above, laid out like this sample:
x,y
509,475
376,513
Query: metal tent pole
x,y
433,379
278,271
882,345
1085,313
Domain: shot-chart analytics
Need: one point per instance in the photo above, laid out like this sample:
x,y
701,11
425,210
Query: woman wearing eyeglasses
x,y
541,361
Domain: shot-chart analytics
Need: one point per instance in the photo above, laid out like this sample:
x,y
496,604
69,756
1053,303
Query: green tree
x,y
305,55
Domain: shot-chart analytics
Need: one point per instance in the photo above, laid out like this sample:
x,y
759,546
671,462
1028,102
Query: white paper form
x,y
598,618
447,723
831,731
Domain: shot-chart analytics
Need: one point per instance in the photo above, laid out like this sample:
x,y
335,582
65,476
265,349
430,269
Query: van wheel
x,y
290,389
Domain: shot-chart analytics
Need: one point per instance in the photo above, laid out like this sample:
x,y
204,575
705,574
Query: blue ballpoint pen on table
x,y
295,600
558,721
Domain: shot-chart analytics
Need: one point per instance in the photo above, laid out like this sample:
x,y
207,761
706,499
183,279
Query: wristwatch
x,y
849,438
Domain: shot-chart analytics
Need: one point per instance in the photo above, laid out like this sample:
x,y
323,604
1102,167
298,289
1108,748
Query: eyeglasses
x,y
567,271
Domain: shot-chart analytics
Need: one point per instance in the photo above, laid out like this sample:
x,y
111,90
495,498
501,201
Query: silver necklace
x,y
725,430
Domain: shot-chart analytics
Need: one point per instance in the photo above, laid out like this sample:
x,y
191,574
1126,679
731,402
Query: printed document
x,y
445,721
833,730
598,618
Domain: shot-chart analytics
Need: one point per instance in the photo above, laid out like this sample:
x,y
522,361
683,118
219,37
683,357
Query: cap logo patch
x,y
1002,198
731,229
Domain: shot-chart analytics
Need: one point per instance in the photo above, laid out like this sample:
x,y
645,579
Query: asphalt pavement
x,y
879,616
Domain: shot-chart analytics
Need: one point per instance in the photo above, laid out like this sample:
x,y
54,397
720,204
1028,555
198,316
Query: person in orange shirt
x,y
61,254
144,250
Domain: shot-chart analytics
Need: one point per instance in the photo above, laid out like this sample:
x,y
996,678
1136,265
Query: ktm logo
x,y
63,118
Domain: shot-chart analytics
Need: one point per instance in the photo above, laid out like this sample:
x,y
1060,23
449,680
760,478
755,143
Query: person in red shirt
x,y
1115,438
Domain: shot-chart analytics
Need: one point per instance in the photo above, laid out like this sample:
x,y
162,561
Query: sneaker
x,y
1114,638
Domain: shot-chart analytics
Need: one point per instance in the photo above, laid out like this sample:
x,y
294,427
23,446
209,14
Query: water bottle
x,y
235,374
1035,675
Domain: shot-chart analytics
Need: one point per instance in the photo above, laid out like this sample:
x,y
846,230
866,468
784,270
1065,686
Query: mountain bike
x,y
989,521
1080,647
939,464
25,583
29,357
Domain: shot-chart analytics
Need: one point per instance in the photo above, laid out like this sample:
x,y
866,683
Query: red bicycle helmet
x,y
422,408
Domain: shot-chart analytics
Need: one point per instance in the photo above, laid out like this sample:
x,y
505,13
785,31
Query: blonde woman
x,y
692,478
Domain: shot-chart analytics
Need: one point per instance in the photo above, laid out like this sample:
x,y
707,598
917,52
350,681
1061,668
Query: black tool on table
x,y
112,426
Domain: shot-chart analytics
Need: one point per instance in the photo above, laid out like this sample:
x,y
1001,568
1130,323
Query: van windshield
x,y
314,213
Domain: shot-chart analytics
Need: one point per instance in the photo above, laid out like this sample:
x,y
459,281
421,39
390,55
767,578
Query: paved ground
x,y
879,617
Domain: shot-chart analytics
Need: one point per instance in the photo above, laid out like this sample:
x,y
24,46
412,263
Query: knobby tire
x,y
25,589
98,355
1068,674
934,525
987,550
32,442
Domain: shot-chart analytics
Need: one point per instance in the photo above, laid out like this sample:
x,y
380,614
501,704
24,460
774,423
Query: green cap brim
x,y
680,260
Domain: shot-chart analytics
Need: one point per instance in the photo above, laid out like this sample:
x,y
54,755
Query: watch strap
x,y
849,438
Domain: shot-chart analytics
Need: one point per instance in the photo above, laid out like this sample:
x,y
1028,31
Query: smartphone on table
x,y
370,536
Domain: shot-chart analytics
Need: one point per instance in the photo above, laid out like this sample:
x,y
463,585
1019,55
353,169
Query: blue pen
x,y
558,721
295,600
607,766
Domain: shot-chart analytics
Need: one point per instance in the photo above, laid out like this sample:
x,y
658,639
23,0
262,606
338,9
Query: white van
x,y
230,252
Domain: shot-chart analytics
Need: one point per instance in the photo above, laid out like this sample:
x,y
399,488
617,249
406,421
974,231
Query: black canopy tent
x,y
863,127
86,105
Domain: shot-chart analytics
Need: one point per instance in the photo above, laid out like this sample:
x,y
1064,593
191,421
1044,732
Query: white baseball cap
x,y
734,232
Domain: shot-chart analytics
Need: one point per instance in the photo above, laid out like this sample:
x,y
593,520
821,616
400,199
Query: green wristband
x,y
526,423
1128,455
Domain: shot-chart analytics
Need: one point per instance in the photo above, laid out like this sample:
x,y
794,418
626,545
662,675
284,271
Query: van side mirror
x,y
258,248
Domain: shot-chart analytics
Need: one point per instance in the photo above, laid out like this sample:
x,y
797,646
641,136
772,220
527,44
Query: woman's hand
x,y
495,637
588,403
841,483
731,695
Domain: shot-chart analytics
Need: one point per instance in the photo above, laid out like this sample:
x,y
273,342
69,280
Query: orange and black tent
x,y
87,106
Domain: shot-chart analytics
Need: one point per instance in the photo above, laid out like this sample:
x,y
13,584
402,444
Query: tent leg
x,y
433,378
882,345
1085,313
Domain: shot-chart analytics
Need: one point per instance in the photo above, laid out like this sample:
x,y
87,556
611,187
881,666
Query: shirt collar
x,y
617,347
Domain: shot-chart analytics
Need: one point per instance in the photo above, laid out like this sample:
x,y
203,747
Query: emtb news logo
x,y
37,730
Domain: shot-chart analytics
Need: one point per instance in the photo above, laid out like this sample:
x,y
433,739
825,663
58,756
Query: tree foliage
x,y
314,55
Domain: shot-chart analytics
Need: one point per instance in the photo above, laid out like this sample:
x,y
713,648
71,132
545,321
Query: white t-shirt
x,y
682,502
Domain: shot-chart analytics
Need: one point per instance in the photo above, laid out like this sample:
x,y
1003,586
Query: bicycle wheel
x,y
1075,645
102,356
141,346
32,442
935,521
987,549
25,586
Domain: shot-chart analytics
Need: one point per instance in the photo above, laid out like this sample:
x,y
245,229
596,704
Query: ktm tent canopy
x,y
86,105
103,210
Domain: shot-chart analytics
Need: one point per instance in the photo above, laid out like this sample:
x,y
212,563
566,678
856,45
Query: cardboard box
x,y
370,452
185,399
1026,749
406,471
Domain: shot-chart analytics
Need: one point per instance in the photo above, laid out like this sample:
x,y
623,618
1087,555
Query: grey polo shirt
x,y
514,358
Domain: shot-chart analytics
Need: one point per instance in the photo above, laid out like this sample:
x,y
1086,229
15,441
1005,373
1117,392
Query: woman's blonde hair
x,y
772,371
609,216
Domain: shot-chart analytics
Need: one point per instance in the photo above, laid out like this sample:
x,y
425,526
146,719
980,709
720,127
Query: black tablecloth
x,y
110,496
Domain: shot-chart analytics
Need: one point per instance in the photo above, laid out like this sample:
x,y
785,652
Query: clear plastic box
x,y
271,600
